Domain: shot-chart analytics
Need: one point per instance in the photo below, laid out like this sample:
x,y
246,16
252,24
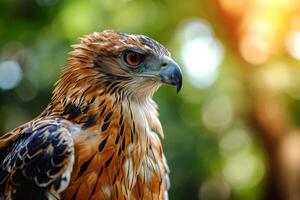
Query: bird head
x,y
112,62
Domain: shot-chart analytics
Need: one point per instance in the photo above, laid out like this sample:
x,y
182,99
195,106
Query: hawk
x,y
98,138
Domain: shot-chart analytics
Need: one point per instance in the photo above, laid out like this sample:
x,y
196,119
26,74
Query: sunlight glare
x,y
201,54
293,44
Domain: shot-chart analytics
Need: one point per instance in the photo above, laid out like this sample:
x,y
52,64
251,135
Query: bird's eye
x,y
133,58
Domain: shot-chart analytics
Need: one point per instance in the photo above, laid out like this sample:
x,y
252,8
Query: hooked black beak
x,y
170,73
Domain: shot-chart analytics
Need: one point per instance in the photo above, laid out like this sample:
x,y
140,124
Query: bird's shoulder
x,y
39,155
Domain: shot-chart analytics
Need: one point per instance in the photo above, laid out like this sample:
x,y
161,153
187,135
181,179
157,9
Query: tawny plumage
x,y
99,137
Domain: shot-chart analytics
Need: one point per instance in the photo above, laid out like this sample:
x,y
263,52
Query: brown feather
x,y
111,118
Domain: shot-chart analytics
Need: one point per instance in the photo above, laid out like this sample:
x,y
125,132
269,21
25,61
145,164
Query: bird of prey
x,y
99,137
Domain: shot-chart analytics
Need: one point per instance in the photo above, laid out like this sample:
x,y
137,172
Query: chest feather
x,y
119,158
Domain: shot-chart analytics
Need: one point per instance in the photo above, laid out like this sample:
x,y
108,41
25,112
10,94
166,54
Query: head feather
x,y
94,64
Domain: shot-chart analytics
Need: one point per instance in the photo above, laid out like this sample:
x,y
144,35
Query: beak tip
x,y
171,74
178,87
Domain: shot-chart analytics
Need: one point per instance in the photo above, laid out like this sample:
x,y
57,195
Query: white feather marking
x,y
106,190
66,175
129,173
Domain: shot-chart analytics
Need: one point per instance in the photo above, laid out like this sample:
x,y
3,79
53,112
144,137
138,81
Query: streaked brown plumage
x,y
98,138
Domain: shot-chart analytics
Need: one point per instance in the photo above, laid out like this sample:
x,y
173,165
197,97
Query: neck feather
x,y
89,108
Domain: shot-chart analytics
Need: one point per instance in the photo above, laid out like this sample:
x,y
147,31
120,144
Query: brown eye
x,y
133,58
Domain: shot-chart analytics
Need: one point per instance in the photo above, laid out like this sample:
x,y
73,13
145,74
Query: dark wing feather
x,y
38,162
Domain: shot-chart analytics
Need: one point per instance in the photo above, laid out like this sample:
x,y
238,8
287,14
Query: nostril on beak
x,y
164,64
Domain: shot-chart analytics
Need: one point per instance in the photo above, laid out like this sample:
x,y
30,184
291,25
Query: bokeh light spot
x,y
10,74
201,53
217,114
293,44
254,49
234,141
270,74
244,170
